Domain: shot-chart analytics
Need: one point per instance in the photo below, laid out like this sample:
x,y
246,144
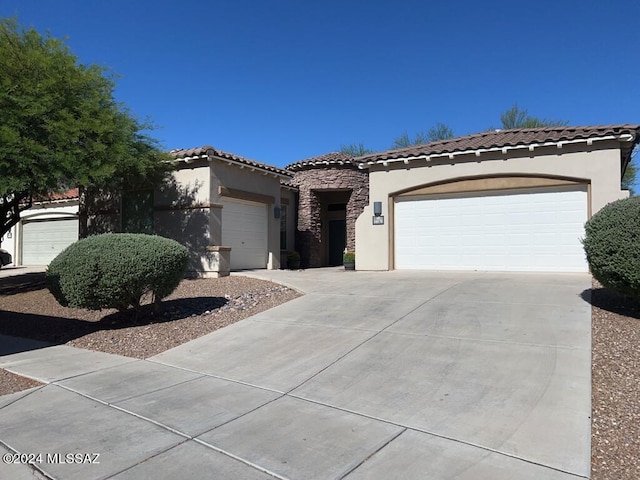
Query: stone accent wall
x,y
313,180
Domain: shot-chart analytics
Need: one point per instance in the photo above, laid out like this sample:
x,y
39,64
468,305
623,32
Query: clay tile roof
x,y
497,139
208,152
56,197
333,158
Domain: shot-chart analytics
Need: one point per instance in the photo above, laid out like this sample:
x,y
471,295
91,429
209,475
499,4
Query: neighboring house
x,y
44,230
513,200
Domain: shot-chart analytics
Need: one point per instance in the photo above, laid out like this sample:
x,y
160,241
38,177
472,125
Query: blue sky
x,y
281,81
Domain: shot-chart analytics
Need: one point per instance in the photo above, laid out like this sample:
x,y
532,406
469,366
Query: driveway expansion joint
x,y
433,434
240,459
366,340
186,436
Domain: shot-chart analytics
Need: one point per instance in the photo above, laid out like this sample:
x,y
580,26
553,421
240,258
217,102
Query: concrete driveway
x,y
408,375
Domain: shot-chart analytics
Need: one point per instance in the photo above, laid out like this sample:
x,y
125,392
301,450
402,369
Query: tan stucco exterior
x,y
598,167
189,210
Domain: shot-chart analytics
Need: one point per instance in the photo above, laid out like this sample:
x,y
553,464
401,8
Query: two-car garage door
x,y
518,230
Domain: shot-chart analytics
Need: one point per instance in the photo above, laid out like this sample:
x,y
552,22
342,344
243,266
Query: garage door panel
x,y
244,229
42,241
523,231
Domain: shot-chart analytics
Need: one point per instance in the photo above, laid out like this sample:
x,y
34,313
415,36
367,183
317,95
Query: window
x,y
283,227
137,211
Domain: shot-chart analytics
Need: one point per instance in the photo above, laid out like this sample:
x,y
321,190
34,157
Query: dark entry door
x,y
337,241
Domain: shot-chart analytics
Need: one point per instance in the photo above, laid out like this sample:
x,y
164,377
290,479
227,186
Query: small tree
x,y
355,150
439,131
516,117
612,245
60,126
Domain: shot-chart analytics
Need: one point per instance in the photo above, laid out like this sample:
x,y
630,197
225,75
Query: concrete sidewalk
x,y
12,271
370,375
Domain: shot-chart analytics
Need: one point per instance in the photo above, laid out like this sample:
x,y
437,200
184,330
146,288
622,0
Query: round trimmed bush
x,y
612,245
115,270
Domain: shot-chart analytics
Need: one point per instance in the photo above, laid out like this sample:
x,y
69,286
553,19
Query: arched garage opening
x,y
505,223
42,239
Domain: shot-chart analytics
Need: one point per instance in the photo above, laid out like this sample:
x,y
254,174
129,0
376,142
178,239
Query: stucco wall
x,y
312,180
599,168
188,185
182,213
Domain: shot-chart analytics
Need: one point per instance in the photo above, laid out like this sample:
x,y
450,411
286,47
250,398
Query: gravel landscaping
x,y
615,433
202,306
196,308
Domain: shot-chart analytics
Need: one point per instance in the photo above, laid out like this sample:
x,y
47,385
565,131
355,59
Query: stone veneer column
x,y
311,179
308,234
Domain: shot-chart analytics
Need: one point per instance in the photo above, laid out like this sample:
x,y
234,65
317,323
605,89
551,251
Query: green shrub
x,y
612,245
349,257
115,270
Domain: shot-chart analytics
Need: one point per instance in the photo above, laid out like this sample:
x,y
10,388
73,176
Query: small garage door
x,y
244,229
502,231
43,240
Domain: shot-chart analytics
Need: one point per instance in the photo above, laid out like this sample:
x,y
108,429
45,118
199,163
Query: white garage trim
x,y
43,240
245,230
516,230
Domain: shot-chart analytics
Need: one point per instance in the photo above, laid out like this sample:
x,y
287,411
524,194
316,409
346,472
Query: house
x,y
44,230
510,200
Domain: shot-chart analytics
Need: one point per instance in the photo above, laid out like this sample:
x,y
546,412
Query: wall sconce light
x,y
9,234
377,208
276,212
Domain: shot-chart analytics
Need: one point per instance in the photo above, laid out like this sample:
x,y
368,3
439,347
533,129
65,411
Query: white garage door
x,y
244,229
503,231
43,240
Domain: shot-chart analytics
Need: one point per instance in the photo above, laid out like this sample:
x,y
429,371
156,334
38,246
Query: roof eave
x,y
211,154
252,168
625,137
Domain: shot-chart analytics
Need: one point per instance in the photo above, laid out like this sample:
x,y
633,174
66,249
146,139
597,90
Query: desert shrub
x,y
612,245
115,270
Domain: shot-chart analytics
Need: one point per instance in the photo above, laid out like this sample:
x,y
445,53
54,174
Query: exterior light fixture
x,y
378,219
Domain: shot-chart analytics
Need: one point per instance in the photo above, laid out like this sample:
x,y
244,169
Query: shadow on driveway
x,y
25,282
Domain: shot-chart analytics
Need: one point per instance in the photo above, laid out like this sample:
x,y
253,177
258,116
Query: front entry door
x,y
337,241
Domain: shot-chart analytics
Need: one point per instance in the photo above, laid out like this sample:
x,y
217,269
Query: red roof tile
x,y
496,139
328,159
55,197
208,151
